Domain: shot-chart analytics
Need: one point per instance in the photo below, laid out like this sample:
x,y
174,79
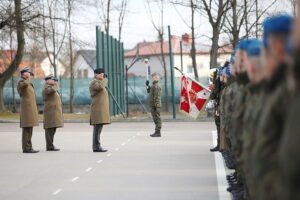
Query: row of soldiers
x,y
257,102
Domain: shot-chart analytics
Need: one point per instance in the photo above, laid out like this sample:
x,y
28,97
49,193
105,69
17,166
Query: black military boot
x,y
216,148
100,149
156,134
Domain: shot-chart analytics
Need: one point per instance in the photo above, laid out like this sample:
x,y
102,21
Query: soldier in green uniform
x,y
270,127
251,114
154,101
53,116
29,113
289,159
215,96
100,115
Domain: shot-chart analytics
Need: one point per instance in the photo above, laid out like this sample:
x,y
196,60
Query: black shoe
x,y
155,135
100,150
53,149
215,149
30,151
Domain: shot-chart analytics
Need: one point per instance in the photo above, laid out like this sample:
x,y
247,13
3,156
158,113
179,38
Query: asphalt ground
x,y
177,166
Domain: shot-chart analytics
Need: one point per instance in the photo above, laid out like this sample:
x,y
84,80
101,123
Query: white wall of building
x,y
48,68
82,68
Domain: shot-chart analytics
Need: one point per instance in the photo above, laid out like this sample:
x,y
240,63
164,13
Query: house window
x,y
85,73
190,69
79,74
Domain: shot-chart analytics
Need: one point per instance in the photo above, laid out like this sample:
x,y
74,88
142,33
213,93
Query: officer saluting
x,y
154,100
99,108
29,113
53,117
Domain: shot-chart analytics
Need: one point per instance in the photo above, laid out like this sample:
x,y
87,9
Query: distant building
x,y
84,64
152,51
38,62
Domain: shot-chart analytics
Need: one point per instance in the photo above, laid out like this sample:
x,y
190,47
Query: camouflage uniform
x,y
269,132
154,100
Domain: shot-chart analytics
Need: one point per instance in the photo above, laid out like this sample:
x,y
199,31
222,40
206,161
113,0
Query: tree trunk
x,y
19,55
71,61
193,49
214,48
235,32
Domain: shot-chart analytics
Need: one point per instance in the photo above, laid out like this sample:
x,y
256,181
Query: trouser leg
x,y
26,138
156,118
96,136
49,135
218,123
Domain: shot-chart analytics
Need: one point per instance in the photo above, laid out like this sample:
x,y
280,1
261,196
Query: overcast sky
x,y
138,26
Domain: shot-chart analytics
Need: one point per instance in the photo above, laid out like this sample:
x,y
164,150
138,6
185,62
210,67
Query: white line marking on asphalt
x,y
88,169
123,144
108,155
116,149
99,161
220,170
75,179
57,191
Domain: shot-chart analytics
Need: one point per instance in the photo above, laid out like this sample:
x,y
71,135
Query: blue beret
x,y
232,59
220,70
25,69
278,24
254,47
243,44
228,71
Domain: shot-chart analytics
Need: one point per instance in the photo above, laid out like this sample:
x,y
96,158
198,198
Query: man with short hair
x,y
154,100
29,113
53,117
100,114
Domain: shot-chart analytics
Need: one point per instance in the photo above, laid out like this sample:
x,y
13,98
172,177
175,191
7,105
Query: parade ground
x,y
177,166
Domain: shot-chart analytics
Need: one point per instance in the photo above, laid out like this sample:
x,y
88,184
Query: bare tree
x,y
159,27
54,19
122,12
245,19
19,27
192,4
216,12
104,10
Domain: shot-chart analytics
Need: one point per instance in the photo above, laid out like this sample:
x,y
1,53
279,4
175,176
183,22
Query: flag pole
x,y
192,79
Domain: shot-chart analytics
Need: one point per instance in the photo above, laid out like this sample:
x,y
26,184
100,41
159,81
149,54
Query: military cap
x,y
220,70
243,44
49,77
228,71
25,69
99,71
278,24
254,47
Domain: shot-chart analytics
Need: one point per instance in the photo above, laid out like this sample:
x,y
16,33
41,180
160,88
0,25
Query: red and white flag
x,y
192,98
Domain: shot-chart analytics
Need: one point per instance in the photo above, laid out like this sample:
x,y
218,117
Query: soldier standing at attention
x,y
154,100
29,113
99,108
53,117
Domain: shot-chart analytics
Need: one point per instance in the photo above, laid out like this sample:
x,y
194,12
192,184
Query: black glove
x,y
154,108
147,83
